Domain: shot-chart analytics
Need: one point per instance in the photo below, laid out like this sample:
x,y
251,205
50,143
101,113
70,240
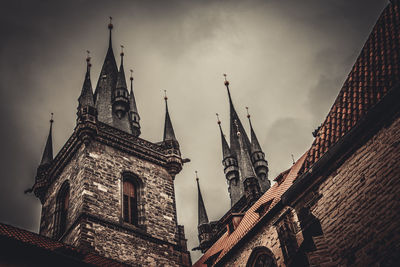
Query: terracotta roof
x,y
252,216
375,71
51,245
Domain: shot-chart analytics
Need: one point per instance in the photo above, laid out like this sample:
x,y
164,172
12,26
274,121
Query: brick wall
x,y
359,208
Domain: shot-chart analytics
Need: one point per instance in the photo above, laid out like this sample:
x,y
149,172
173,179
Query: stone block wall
x,y
74,173
94,219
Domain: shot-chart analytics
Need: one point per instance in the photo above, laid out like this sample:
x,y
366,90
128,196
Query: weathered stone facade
x,y
95,174
108,191
356,205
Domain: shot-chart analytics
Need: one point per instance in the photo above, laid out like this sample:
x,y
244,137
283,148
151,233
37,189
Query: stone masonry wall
x,y
359,209
127,247
95,177
73,172
104,167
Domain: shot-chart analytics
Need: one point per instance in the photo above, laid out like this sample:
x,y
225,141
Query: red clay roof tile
x,y
53,245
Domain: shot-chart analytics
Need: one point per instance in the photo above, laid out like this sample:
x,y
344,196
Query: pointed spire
x,y
202,213
86,97
132,101
48,150
255,145
244,161
168,130
234,146
121,81
107,78
226,152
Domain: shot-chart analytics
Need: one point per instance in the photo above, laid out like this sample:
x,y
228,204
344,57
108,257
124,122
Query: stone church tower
x,y
107,190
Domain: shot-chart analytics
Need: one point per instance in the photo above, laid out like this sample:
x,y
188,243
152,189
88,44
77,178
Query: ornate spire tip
x,y
226,81
218,121
248,115
122,51
197,177
51,119
165,95
131,78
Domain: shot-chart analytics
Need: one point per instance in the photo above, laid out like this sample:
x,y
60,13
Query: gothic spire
x,y
132,101
108,75
168,130
202,213
121,81
234,117
86,97
226,152
244,161
48,150
255,145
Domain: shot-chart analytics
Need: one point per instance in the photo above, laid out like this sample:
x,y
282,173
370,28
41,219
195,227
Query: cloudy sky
x,y
286,61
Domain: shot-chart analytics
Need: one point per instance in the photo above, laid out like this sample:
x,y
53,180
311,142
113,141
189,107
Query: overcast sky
x,y
285,60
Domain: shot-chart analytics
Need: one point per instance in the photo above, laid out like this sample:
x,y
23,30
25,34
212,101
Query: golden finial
x,y
51,119
165,95
197,177
122,50
131,78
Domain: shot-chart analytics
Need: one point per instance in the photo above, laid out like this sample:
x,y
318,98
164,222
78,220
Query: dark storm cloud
x,y
286,60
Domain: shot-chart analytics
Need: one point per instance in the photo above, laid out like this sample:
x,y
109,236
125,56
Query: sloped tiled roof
x,y
252,217
51,245
375,71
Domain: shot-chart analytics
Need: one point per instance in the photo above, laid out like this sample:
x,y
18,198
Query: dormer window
x,y
233,221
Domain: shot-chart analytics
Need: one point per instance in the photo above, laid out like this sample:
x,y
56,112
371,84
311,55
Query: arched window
x,y
61,212
261,257
130,202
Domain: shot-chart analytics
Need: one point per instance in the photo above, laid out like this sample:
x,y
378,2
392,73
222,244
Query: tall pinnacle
x,y
244,161
255,145
226,152
234,117
86,97
132,101
202,213
168,129
121,81
48,150
107,79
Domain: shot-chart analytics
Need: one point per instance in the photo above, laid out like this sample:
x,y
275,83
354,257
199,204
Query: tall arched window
x,y
130,202
61,212
261,257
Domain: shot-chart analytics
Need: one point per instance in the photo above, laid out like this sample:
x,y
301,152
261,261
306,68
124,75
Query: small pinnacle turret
x,y
174,160
120,100
86,97
231,170
248,176
48,149
168,129
202,213
133,111
258,158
